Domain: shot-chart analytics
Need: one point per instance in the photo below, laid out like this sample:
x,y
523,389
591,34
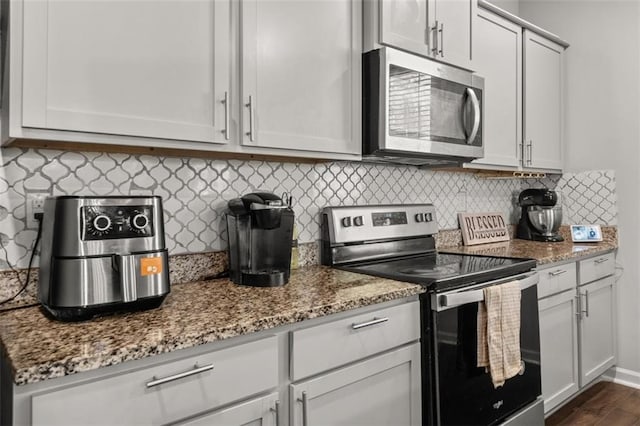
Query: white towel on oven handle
x,y
499,332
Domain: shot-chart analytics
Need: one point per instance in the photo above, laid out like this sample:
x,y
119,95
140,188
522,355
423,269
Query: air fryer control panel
x,y
110,222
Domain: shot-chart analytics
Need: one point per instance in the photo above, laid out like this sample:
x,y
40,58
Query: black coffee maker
x,y
540,218
260,228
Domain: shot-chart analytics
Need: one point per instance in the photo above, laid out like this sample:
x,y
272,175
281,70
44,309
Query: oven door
x,y
463,393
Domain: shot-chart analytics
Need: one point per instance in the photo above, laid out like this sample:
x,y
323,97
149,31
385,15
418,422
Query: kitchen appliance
x,y
586,233
420,112
260,228
540,218
102,255
397,242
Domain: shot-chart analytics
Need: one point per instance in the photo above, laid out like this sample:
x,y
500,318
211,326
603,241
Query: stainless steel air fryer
x,y
101,255
260,228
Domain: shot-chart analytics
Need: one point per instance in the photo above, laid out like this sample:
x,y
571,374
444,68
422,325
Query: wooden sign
x,y
481,228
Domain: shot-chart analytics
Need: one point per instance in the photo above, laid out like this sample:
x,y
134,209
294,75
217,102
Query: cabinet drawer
x,y
556,279
596,268
327,346
129,398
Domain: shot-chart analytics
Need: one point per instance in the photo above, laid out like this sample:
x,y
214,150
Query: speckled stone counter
x,y
193,314
543,253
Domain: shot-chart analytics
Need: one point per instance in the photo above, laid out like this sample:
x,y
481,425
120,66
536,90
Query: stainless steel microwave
x,y
420,112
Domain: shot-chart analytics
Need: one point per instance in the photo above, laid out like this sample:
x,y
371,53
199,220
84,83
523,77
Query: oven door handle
x,y
476,293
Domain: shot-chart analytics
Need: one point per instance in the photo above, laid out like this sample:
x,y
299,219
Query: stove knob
x,y
419,217
358,221
346,221
140,221
428,217
102,222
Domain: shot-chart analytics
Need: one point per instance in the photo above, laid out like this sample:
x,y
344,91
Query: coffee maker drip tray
x,y
265,278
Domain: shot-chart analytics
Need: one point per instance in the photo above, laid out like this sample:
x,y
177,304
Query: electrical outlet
x,y
35,204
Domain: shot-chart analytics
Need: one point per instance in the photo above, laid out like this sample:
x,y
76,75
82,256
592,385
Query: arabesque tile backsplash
x,y
195,191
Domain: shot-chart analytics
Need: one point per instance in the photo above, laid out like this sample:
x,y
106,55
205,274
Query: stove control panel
x,y
362,223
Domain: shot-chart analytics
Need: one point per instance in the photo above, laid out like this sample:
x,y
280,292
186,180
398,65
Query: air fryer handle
x,y
126,266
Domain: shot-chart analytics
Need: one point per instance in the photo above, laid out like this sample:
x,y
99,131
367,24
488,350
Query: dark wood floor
x,y
604,403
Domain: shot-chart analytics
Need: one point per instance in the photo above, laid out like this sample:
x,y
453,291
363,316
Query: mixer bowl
x,y
546,220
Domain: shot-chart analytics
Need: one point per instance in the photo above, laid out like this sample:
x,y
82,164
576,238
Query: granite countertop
x,y
193,314
543,253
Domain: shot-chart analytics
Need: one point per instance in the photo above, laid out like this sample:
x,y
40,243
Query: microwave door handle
x,y
476,115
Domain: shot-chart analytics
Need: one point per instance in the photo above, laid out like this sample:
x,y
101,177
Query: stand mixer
x,y
540,217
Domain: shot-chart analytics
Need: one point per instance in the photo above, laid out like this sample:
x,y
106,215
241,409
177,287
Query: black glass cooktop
x,y
440,271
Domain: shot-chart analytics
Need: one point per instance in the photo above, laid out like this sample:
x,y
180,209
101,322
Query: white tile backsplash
x,y
195,191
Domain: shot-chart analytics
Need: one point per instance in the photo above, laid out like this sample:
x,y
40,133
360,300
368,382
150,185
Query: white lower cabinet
x,y
257,412
577,327
558,348
366,371
163,393
597,329
384,390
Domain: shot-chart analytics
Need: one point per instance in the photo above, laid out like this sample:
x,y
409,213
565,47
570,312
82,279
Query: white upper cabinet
x,y
454,24
134,68
523,93
439,29
498,58
404,24
542,103
301,74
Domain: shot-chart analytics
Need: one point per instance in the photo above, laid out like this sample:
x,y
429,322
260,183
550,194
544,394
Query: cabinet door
x,y
542,103
454,30
384,390
404,25
136,68
558,348
257,412
301,73
597,329
164,392
498,58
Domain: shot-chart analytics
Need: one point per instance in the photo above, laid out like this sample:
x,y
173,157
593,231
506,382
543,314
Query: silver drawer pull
x,y
369,323
558,272
599,261
196,370
305,409
276,410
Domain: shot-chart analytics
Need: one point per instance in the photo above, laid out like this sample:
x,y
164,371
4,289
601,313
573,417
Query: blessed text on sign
x,y
480,228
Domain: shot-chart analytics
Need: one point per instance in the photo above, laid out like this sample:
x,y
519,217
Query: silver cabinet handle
x,y
251,132
476,115
196,370
225,101
434,48
558,272
586,299
276,410
369,323
599,261
305,410
530,146
441,31
586,303
578,308
522,159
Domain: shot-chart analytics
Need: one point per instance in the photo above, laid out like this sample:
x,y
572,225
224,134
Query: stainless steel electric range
x,y
397,242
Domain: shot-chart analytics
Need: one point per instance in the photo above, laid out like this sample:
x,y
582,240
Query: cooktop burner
x,y
441,271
